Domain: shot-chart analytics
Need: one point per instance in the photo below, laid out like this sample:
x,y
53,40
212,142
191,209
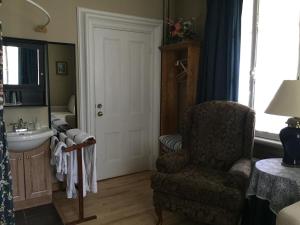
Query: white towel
x,y
58,122
89,163
64,165
62,137
72,133
53,142
60,160
72,171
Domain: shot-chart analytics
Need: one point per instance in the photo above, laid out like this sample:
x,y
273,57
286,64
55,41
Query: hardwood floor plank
x,y
120,201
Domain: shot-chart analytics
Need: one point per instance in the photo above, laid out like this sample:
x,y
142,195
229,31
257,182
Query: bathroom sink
x,y
24,141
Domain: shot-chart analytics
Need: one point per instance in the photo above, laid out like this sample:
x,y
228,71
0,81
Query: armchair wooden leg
x,y
158,212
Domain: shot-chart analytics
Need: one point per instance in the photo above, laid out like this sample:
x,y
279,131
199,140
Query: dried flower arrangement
x,y
180,30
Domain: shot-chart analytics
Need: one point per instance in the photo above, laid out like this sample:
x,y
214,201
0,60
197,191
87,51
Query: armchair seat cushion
x,y
203,185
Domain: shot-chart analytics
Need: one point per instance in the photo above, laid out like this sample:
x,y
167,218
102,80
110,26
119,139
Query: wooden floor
x,y
120,201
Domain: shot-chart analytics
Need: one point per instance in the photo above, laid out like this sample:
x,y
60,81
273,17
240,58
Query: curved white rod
x,y
41,28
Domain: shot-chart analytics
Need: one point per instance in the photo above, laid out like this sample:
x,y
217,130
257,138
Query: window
x,y
272,57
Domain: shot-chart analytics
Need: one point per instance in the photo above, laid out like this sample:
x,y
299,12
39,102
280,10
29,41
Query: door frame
x,y
87,20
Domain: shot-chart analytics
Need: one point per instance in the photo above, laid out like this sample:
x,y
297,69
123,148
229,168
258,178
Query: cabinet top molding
x,y
180,45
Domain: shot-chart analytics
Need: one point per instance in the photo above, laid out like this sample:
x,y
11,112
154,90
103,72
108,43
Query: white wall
x,y
19,19
61,86
192,8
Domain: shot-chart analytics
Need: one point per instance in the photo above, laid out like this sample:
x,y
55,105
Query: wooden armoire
x,y
180,65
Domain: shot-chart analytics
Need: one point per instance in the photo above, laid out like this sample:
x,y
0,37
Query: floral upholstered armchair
x,y
208,179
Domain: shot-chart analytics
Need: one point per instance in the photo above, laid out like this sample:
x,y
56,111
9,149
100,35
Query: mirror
x,y
21,65
23,72
39,73
62,84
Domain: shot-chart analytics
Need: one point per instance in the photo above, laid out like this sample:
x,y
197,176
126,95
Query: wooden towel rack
x,y
79,148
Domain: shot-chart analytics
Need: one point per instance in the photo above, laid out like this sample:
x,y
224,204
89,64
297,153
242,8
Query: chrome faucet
x,y
20,123
20,126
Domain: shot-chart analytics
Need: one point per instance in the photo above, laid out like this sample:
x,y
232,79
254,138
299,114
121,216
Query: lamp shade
x,y
286,101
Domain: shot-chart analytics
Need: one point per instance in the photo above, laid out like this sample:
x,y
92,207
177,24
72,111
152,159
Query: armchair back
x,y
218,133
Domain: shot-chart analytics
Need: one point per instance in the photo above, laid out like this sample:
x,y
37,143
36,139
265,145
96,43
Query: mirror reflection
x,y
62,84
21,65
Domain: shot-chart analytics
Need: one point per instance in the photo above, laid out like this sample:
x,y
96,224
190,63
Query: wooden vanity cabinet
x,y
17,172
31,177
37,172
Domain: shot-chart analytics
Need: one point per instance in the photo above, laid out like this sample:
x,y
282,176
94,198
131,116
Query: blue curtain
x,y
6,197
28,66
219,73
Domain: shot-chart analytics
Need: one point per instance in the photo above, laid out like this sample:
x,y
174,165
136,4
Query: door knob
x,y
100,114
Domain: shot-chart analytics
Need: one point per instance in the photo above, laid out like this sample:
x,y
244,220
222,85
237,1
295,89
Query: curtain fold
x,y
219,73
28,66
6,197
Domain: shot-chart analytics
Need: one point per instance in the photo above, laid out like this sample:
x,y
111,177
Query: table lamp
x,y
286,102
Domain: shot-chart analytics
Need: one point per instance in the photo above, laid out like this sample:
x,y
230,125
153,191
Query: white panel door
x,y
122,96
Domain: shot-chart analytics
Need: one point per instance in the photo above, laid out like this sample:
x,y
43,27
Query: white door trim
x,y
89,19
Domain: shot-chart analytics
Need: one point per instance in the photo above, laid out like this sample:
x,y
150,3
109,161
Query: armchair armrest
x,y
240,173
242,168
171,162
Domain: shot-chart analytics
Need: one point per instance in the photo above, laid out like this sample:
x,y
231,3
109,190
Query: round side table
x,y
275,183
